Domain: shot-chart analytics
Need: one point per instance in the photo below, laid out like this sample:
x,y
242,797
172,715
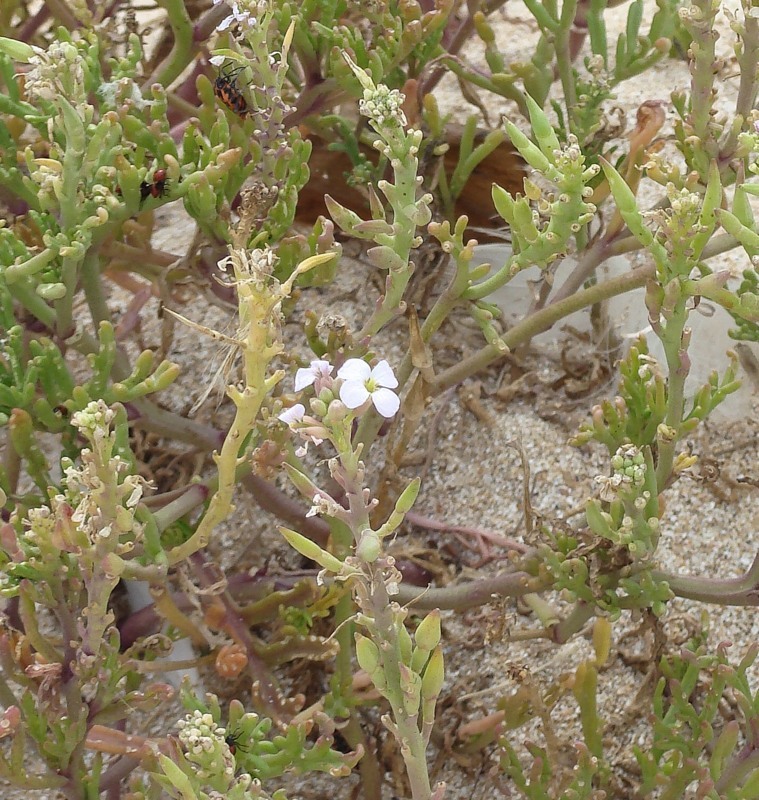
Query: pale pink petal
x,y
305,376
383,375
317,369
355,369
354,394
321,369
386,402
293,414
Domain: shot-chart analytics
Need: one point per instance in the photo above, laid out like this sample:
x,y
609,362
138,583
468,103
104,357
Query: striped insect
x,y
228,92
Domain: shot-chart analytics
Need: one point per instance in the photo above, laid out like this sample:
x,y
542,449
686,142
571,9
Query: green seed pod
x,y
408,497
503,202
344,217
302,482
427,636
530,152
602,640
542,129
747,237
434,675
18,51
367,654
625,200
404,641
312,550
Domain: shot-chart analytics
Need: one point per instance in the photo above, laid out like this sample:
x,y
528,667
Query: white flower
x,y
316,371
243,17
361,382
293,414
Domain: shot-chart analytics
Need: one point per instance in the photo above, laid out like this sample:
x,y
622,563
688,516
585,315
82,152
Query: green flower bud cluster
x,y
98,505
634,415
683,232
677,225
205,747
565,208
213,754
595,576
630,492
383,107
61,70
629,464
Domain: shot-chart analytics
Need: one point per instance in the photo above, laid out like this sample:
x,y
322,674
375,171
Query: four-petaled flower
x,y
361,382
317,372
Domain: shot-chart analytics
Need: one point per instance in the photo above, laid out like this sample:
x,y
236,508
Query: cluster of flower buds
x,y
629,467
630,491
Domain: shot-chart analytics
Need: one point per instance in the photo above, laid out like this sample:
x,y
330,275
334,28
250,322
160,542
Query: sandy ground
x,y
475,478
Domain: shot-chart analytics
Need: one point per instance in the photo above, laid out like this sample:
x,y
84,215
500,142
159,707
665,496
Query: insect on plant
x,y
233,742
227,91
157,188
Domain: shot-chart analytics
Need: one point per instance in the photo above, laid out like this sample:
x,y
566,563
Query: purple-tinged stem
x,y
741,591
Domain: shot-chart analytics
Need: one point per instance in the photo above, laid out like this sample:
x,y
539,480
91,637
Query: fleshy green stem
x,y
181,52
541,321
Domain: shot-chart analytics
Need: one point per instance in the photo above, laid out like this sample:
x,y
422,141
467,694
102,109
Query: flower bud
x,y
369,546
336,412
318,407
